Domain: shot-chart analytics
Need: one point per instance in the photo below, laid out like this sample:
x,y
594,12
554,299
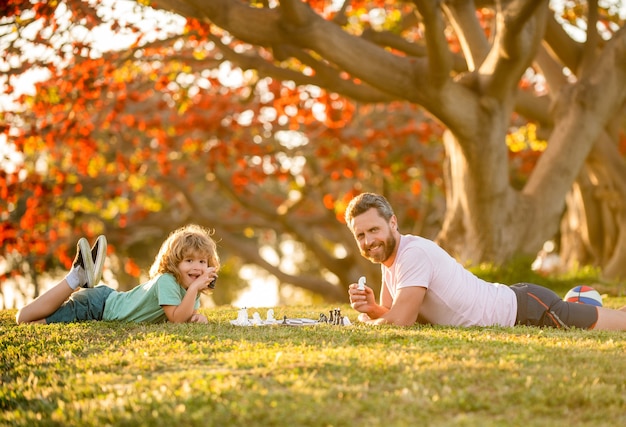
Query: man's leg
x,y
610,319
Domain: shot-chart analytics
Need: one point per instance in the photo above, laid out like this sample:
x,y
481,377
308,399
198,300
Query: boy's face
x,y
191,267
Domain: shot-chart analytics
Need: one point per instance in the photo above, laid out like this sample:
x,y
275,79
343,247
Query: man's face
x,y
374,235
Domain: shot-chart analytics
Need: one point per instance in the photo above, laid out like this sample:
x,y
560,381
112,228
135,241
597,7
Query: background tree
x,y
138,141
473,88
134,143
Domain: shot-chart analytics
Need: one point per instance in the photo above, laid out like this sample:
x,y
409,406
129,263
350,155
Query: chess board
x,y
243,319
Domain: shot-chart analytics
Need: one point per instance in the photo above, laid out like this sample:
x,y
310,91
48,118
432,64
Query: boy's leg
x,y
45,304
81,274
48,302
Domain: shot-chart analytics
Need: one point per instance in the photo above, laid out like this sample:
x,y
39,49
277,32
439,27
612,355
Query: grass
x,y
106,373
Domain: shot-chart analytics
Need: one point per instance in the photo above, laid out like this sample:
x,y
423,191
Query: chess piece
x,y
361,286
270,316
256,319
242,317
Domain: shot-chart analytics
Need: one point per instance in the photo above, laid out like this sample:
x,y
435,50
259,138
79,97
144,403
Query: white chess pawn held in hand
x,y
361,285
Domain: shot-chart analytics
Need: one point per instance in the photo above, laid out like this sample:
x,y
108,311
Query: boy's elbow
x,y
178,319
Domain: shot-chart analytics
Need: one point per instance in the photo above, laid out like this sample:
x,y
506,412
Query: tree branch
x,y
250,253
560,45
580,117
519,31
590,49
439,56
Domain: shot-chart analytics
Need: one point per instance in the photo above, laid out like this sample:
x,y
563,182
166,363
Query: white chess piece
x,y
346,321
270,316
256,319
242,317
362,283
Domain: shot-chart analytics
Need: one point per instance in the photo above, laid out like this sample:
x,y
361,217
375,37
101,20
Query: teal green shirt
x,y
143,303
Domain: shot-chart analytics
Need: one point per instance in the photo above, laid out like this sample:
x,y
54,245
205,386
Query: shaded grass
x,y
107,373
519,270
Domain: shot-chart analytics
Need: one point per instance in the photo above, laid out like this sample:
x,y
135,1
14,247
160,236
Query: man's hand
x,y
362,301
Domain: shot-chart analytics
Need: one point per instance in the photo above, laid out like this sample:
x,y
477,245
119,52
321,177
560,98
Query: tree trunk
x,y
483,224
593,228
488,220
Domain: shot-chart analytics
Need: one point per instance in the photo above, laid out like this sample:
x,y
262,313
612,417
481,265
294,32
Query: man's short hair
x,y
366,201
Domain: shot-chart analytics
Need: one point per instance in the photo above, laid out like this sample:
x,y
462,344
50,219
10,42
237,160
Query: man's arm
x,y
403,311
385,297
406,306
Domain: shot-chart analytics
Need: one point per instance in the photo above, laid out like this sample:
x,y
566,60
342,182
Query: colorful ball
x,y
584,295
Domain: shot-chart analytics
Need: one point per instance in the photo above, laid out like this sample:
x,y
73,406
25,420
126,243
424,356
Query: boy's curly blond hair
x,y
188,240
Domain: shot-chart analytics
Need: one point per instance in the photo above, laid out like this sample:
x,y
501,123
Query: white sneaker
x,y
98,255
84,261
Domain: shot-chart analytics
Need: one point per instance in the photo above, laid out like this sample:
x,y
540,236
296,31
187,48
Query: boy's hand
x,y
204,281
198,318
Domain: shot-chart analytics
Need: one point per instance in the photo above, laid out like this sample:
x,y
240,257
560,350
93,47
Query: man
x,y
422,283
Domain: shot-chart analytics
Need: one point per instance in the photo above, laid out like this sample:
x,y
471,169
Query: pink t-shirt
x,y
454,295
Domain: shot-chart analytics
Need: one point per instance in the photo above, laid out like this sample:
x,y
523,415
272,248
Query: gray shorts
x,y
85,304
539,306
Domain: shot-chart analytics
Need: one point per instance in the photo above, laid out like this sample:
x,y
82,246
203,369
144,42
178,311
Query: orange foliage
x,y
131,268
329,202
416,187
119,153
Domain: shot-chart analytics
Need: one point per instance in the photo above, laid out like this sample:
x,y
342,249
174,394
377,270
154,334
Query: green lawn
x,y
101,373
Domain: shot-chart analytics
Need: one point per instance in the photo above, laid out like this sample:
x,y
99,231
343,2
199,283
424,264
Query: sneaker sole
x,y
98,261
85,255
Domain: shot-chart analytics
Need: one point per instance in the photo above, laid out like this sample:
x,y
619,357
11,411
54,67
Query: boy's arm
x,y
185,311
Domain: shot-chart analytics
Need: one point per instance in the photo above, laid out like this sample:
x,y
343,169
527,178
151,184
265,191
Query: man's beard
x,y
387,249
